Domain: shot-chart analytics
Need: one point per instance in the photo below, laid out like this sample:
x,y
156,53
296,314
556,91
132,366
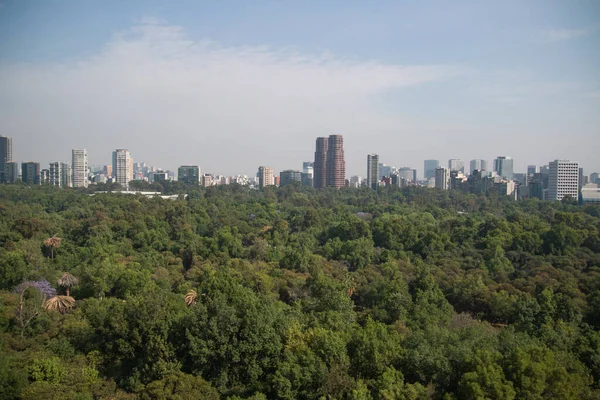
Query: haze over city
x,y
230,86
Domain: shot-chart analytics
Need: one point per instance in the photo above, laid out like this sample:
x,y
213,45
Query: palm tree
x,y
67,281
191,297
62,304
52,242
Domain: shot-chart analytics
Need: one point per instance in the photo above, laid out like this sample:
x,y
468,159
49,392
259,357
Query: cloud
x,y
172,100
562,34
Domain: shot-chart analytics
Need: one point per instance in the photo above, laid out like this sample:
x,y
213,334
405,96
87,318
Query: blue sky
x,y
233,85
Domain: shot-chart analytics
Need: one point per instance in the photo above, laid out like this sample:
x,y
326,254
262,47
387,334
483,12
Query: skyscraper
x,y
66,175
265,177
289,176
320,164
503,166
373,171
479,165
563,180
408,174
336,165
11,170
30,173
532,169
189,174
430,166
5,157
456,164
80,168
442,178
122,167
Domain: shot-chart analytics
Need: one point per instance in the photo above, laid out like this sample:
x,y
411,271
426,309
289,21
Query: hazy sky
x,y
231,85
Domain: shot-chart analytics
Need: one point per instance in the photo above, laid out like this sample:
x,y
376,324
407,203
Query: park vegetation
x,y
292,293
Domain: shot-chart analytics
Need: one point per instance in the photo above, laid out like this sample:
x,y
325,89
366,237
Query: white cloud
x,y
172,100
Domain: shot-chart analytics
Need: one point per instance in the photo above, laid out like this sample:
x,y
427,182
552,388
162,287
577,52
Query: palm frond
x,y
62,304
191,297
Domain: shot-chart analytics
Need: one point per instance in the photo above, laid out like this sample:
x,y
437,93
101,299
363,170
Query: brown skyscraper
x,y
320,164
336,166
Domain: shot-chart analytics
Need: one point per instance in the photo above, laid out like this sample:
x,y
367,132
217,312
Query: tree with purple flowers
x,y
32,301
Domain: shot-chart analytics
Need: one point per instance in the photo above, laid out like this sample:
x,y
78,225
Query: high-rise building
x,y
30,173
265,177
307,167
122,167
442,178
307,179
290,176
478,165
80,168
385,171
160,176
320,164
55,172
107,170
456,164
11,172
66,175
207,180
594,177
189,174
430,167
563,180
408,174
373,171
503,166
336,165
5,157
532,169
45,176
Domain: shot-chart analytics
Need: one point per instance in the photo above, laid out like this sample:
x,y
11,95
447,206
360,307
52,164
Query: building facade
x,y
80,168
320,164
66,175
189,174
11,172
503,166
563,180
289,176
477,165
442,178
55,172
5,157
122,167
409,174
31,173
266,177
429,168
456,164
336,165
373,171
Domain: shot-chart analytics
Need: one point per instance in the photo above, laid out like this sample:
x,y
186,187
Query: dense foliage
x,y
293,293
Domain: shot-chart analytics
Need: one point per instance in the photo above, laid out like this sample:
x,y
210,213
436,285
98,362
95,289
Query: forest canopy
x,y
293,293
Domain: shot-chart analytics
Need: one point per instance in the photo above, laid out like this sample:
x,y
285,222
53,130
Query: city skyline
x,y
409,82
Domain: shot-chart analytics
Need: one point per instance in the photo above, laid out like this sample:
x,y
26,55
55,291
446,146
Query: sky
x,y
232,85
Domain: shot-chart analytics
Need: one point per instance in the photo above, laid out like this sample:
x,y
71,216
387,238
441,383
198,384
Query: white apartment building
x,y
80,168
122,167
563,180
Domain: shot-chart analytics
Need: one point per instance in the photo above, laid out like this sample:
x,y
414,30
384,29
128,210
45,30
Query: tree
x,y
67,281
62,304
29,308
52,242
191,297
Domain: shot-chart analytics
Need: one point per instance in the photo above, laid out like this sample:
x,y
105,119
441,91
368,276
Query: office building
x,y
594,177
122,167
590,194
11,172
289,176
307,179
80,168
189,174
320,164
563,180
442,178
409,174
31,173
265,177
373,171
55,172
336,165
207,180
477,165
307,167
5,157
456,164
532,169
503,166
160,176
430,167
